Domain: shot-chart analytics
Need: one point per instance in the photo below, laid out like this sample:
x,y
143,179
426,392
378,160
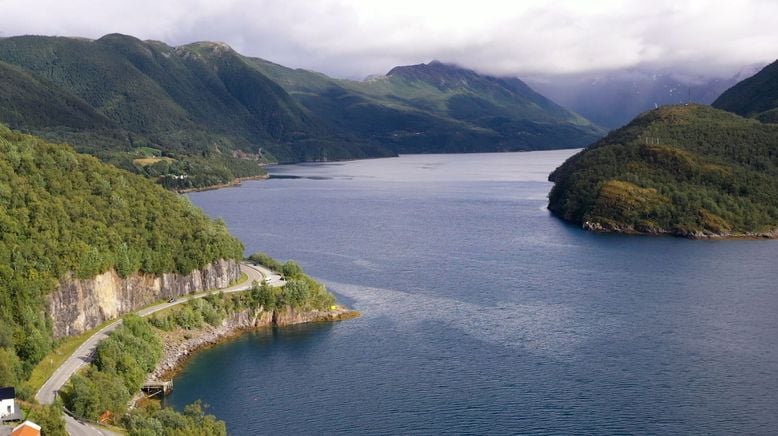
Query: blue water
x,y
484,314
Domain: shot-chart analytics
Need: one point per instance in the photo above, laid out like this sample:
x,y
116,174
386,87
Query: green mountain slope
x,y
61,211
690,171
201,106
437,108
755,97
41,105
202,114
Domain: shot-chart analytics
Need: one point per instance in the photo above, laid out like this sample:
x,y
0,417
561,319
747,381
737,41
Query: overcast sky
x,y
354,38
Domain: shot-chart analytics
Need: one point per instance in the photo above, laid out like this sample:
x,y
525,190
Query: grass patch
x,y
146,161
148,151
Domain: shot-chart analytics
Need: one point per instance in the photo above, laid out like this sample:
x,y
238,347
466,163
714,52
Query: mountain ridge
x,y
754,97
438,103
202,114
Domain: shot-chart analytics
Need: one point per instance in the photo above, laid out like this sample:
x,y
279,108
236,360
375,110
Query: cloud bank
x,y
354,38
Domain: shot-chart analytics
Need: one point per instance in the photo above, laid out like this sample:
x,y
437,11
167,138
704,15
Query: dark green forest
x,y
684,170
755,97
63,212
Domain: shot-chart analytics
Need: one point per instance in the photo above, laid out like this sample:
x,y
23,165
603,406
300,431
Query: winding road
x,y
84,353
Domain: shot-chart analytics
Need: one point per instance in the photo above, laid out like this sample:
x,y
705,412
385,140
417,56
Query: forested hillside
x,y
64,212
194,115
685,170
437,108
755,97
202,114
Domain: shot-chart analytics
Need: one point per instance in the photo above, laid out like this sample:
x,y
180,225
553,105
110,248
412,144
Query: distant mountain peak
x,y
117,37
207,48
432,66
439,74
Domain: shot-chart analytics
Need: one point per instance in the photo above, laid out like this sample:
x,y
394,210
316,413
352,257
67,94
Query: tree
x,y
10,367
50,420
291,269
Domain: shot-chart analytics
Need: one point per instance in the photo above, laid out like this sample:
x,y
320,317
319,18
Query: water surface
x,y
482,313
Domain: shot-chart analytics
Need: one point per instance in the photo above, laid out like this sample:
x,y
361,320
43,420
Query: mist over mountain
x,y
611,99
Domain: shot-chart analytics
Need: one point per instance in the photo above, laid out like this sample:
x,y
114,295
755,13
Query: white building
x,y
8,404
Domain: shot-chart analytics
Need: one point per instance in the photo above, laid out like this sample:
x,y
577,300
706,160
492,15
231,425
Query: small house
x,y
27,428
8,410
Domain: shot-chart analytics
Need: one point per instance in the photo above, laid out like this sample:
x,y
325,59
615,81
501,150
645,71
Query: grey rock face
x,y
79,305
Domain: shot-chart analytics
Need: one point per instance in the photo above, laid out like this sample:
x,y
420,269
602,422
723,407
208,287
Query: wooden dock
x,y
157,388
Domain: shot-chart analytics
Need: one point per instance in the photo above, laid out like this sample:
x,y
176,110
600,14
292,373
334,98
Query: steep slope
x,y
201,106
689,171
437,107
202,114
755,97
62,212
28,101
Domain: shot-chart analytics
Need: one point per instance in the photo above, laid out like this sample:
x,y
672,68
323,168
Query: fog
x,y
355,38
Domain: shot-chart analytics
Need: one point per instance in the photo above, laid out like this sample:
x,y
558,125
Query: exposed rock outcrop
x,y
79,305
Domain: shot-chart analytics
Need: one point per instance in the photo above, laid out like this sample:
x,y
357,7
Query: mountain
x,y
437,108
755,97
198,113
62,212
202,114
691,171
614,98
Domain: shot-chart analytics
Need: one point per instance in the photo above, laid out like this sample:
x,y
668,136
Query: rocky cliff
x,y
79,305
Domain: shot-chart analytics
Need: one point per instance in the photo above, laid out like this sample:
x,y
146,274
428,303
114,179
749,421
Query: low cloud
x,y
353,38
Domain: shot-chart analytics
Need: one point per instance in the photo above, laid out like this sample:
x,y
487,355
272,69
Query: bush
x,y
121,363
50,420
292,270
264,296
265,260
10,368
154,420
300,291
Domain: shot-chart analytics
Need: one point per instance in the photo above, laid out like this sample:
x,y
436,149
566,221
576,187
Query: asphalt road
x,y
84,354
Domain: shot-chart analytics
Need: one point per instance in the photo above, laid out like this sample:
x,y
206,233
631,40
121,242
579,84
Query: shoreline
x,y
232,184
267,176
694,236
180,345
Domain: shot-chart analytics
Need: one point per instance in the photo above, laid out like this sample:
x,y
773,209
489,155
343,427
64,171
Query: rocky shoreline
x,y
699,235
180,345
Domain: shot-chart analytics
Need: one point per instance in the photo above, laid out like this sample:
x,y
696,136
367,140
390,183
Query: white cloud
x,y
353,38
